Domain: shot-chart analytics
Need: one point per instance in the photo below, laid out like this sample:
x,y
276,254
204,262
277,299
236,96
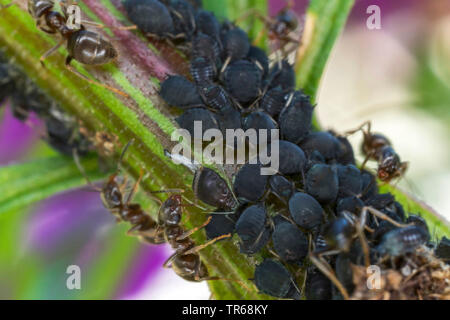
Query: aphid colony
x,y
320,214
62,131
318,217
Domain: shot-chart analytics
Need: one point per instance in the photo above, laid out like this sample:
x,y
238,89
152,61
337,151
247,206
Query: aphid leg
x,y
50,52
225,65
79,74
77,161
383,216
203,246
323,266
187,234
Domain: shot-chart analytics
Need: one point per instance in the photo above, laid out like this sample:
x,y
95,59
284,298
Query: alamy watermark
x,y
374,20
73,281
374,278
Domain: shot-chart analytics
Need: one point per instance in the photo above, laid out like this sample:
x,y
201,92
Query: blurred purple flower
x,y
16,137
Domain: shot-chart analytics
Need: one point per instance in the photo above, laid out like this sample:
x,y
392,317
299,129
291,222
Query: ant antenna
x,y
77,161
125,149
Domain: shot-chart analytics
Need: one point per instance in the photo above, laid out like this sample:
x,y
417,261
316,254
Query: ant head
x,y
111,193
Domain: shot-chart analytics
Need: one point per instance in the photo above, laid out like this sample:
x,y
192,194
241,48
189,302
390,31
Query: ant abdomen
x,y
90,48
190,267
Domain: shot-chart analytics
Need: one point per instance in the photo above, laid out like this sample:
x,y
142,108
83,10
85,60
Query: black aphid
x,y
203,70
292,159
215,97
305,211
283,75
252,229
180,92
259,120
206,47
212,189
281,187
183,16
350,182
150,16
272,278
236,45
207,24
369,185
381,229
346,155
296,118
188,118
322,183
344,272
289,242
323,142
249,185
274,101
401,241
243,80
229,118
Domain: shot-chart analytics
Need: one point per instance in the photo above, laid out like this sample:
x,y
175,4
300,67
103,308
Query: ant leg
x,y
203,246
225,65
360,128
259,37
323,266
383,216
191,232
168,262
79,74
50,52
362,239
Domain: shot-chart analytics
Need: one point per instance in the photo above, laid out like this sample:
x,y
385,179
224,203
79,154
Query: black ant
x,y
378,148
84,46
185,261
278,28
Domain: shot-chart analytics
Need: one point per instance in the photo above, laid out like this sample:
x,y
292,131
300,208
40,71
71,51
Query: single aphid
x,y
289,242
292,159
281,187
212,189
180,92
305,211
189,117
350,182
322,183
252,229
295,119
272,278
249,185
323,142
243,81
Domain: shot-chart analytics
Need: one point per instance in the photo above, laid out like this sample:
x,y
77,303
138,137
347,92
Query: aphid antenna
x,y
220,213
383,216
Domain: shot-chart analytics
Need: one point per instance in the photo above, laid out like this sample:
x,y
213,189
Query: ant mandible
x,y
86,47
378,148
